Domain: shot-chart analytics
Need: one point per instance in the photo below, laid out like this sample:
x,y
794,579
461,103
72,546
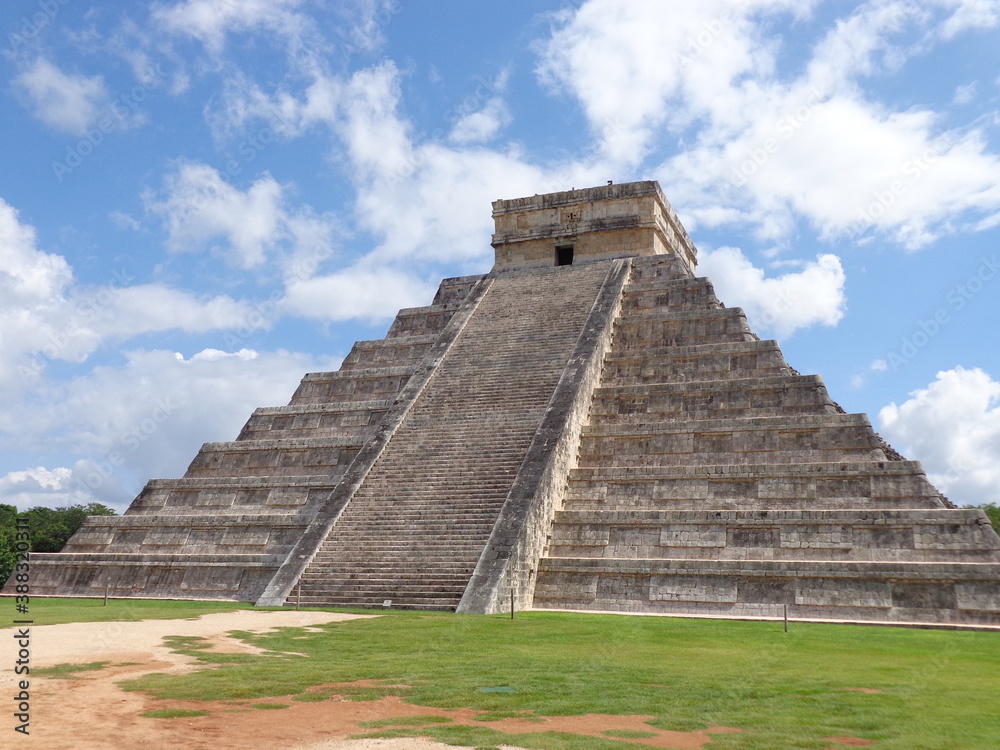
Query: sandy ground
x,y
92,712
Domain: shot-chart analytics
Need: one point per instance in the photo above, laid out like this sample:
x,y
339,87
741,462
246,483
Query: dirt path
x,y
93,713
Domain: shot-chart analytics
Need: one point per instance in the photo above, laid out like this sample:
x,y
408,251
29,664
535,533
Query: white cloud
x,y
483,125
199,206
783,304
626,62
423,200
210,20
46,316
66,102
968,14
953,427
770,150
846,165
146,308
27,275
966,94
289,113
143,420
356,293
38,486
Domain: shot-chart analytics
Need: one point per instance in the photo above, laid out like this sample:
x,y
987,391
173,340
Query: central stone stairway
x,y
415,529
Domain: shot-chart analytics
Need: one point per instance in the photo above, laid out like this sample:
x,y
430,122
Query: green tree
x,y
50,529
7,557
992,513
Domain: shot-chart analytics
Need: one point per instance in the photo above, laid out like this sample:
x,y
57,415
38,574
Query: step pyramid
x,y
586,427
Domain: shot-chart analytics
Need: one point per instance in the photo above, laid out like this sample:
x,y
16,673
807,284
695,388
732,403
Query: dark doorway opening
x,y
564,255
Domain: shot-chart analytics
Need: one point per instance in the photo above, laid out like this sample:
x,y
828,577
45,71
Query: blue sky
x,y
200,201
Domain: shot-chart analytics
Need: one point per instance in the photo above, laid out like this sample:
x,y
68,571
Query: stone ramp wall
x,y
713,479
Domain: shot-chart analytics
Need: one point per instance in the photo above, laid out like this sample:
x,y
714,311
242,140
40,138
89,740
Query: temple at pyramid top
x,y
628,220
585,427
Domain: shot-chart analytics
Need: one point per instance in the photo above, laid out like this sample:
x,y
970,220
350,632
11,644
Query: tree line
x,y
50,529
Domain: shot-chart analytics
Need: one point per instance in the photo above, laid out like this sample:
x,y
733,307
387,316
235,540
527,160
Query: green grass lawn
x,y
46,611
937,689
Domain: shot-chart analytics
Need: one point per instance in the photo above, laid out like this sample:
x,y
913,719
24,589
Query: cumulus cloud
x,y
46,316
199,207
365,293
424,200
768,150
813,295
38,486
953,427
482,125
209,21
66,102
142,420
629,63
968,14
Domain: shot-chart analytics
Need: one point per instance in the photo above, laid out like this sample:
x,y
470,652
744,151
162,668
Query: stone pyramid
x,y
586,427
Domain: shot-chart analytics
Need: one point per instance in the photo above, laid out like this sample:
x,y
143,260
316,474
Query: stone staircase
x,y
223,529
712,479
415,529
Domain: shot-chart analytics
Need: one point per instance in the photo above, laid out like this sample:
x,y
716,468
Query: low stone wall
x,y
878,592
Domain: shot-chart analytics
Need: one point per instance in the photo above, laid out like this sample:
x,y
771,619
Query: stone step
x,y
778,395
724,426
188,534
418,565
293,456
659,267
455,289
385,539
413,565
353,385
422,320
682,328
965,592
380,591
418,519
797,439
373,602
227,495
346,420
399,350
240,577
704,362
398,574
885,535
673,295
752,486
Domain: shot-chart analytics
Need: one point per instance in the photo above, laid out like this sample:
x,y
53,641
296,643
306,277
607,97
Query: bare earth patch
x,y
91,712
